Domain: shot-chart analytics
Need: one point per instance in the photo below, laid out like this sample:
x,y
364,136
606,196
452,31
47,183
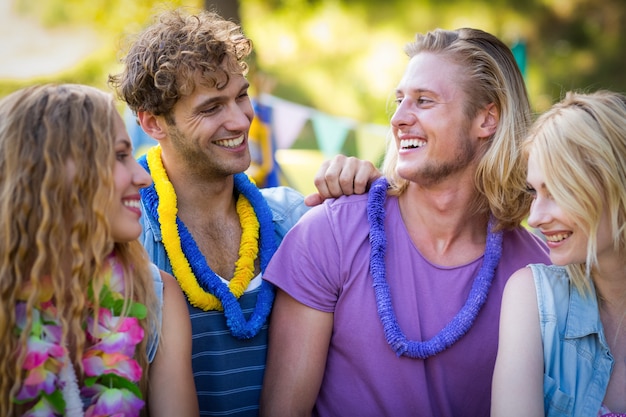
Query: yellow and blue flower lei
x,y
204,289
464,319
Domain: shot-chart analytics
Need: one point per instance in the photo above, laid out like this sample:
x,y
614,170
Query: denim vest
x,y
577,361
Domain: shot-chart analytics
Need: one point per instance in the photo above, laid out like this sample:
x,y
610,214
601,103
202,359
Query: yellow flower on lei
x,y
167,209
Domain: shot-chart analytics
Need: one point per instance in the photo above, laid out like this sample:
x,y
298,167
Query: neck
x,y
441,227
612,302
613,317
442,200
609,279
213,196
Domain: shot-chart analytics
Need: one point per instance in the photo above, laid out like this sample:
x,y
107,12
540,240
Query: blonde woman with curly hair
x,y
562,349
88,326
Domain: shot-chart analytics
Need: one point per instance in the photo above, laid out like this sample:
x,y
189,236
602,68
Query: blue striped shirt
x,y
228,372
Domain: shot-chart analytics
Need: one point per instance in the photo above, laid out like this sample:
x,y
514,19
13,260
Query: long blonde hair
x,y
50,218
580,147
491,76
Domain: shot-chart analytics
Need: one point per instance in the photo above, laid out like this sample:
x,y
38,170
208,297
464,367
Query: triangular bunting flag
x,y
287,120
330,132
371,141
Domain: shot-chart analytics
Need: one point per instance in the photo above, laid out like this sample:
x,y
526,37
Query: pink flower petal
x,y
39,351
113,402
36,381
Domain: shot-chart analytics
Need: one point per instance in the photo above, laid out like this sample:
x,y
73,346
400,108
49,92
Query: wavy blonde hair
x,y
491,76
580,147
165,60
54,223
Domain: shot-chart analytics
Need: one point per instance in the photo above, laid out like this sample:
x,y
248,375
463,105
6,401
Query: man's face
x,y
433,135
210,134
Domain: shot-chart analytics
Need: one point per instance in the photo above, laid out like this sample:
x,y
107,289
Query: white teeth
x,y
558,237
411,143
230,143
132,203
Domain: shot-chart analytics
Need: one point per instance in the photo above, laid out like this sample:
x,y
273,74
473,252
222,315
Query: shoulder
x,y
339,212
520,284
521,247
546,287
544,282
519,302
523,239
549,271
347,202
350,204
170,285
331,225
537,275
281,196
284,202
174,301
552,283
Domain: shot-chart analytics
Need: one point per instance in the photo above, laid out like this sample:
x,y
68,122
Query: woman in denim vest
x,y
563,327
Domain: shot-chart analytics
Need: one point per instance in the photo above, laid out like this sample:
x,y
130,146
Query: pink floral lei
x,y
110,388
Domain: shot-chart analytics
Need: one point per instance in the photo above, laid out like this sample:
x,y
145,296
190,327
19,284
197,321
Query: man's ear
x,y
154,126
487,121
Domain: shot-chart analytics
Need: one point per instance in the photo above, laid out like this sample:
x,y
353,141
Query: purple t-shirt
x,y
323,262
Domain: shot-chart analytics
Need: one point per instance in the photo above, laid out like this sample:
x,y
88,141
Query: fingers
x,y
366,174
313,200
336,177
343,175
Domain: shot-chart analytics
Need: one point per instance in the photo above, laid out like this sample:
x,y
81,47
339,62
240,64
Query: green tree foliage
x,y
345,56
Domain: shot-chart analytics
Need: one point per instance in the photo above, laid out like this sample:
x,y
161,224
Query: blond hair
x,y
50,219
491,76
580,147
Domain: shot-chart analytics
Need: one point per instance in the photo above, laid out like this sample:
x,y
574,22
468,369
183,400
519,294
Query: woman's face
x,y
129,177
567,242
565,238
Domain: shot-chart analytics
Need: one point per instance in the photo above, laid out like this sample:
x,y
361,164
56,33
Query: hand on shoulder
x,y
342,175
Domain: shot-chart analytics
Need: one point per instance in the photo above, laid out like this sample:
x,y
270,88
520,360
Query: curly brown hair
x,y
167,58
56,224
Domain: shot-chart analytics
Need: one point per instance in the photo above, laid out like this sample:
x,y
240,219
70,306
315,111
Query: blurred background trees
x,y
344,57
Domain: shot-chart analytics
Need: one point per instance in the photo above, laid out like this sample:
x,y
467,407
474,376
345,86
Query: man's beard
x,y
436,172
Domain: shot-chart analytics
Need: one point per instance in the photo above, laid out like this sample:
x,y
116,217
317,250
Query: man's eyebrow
x,y
219,98
208,101
415,91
